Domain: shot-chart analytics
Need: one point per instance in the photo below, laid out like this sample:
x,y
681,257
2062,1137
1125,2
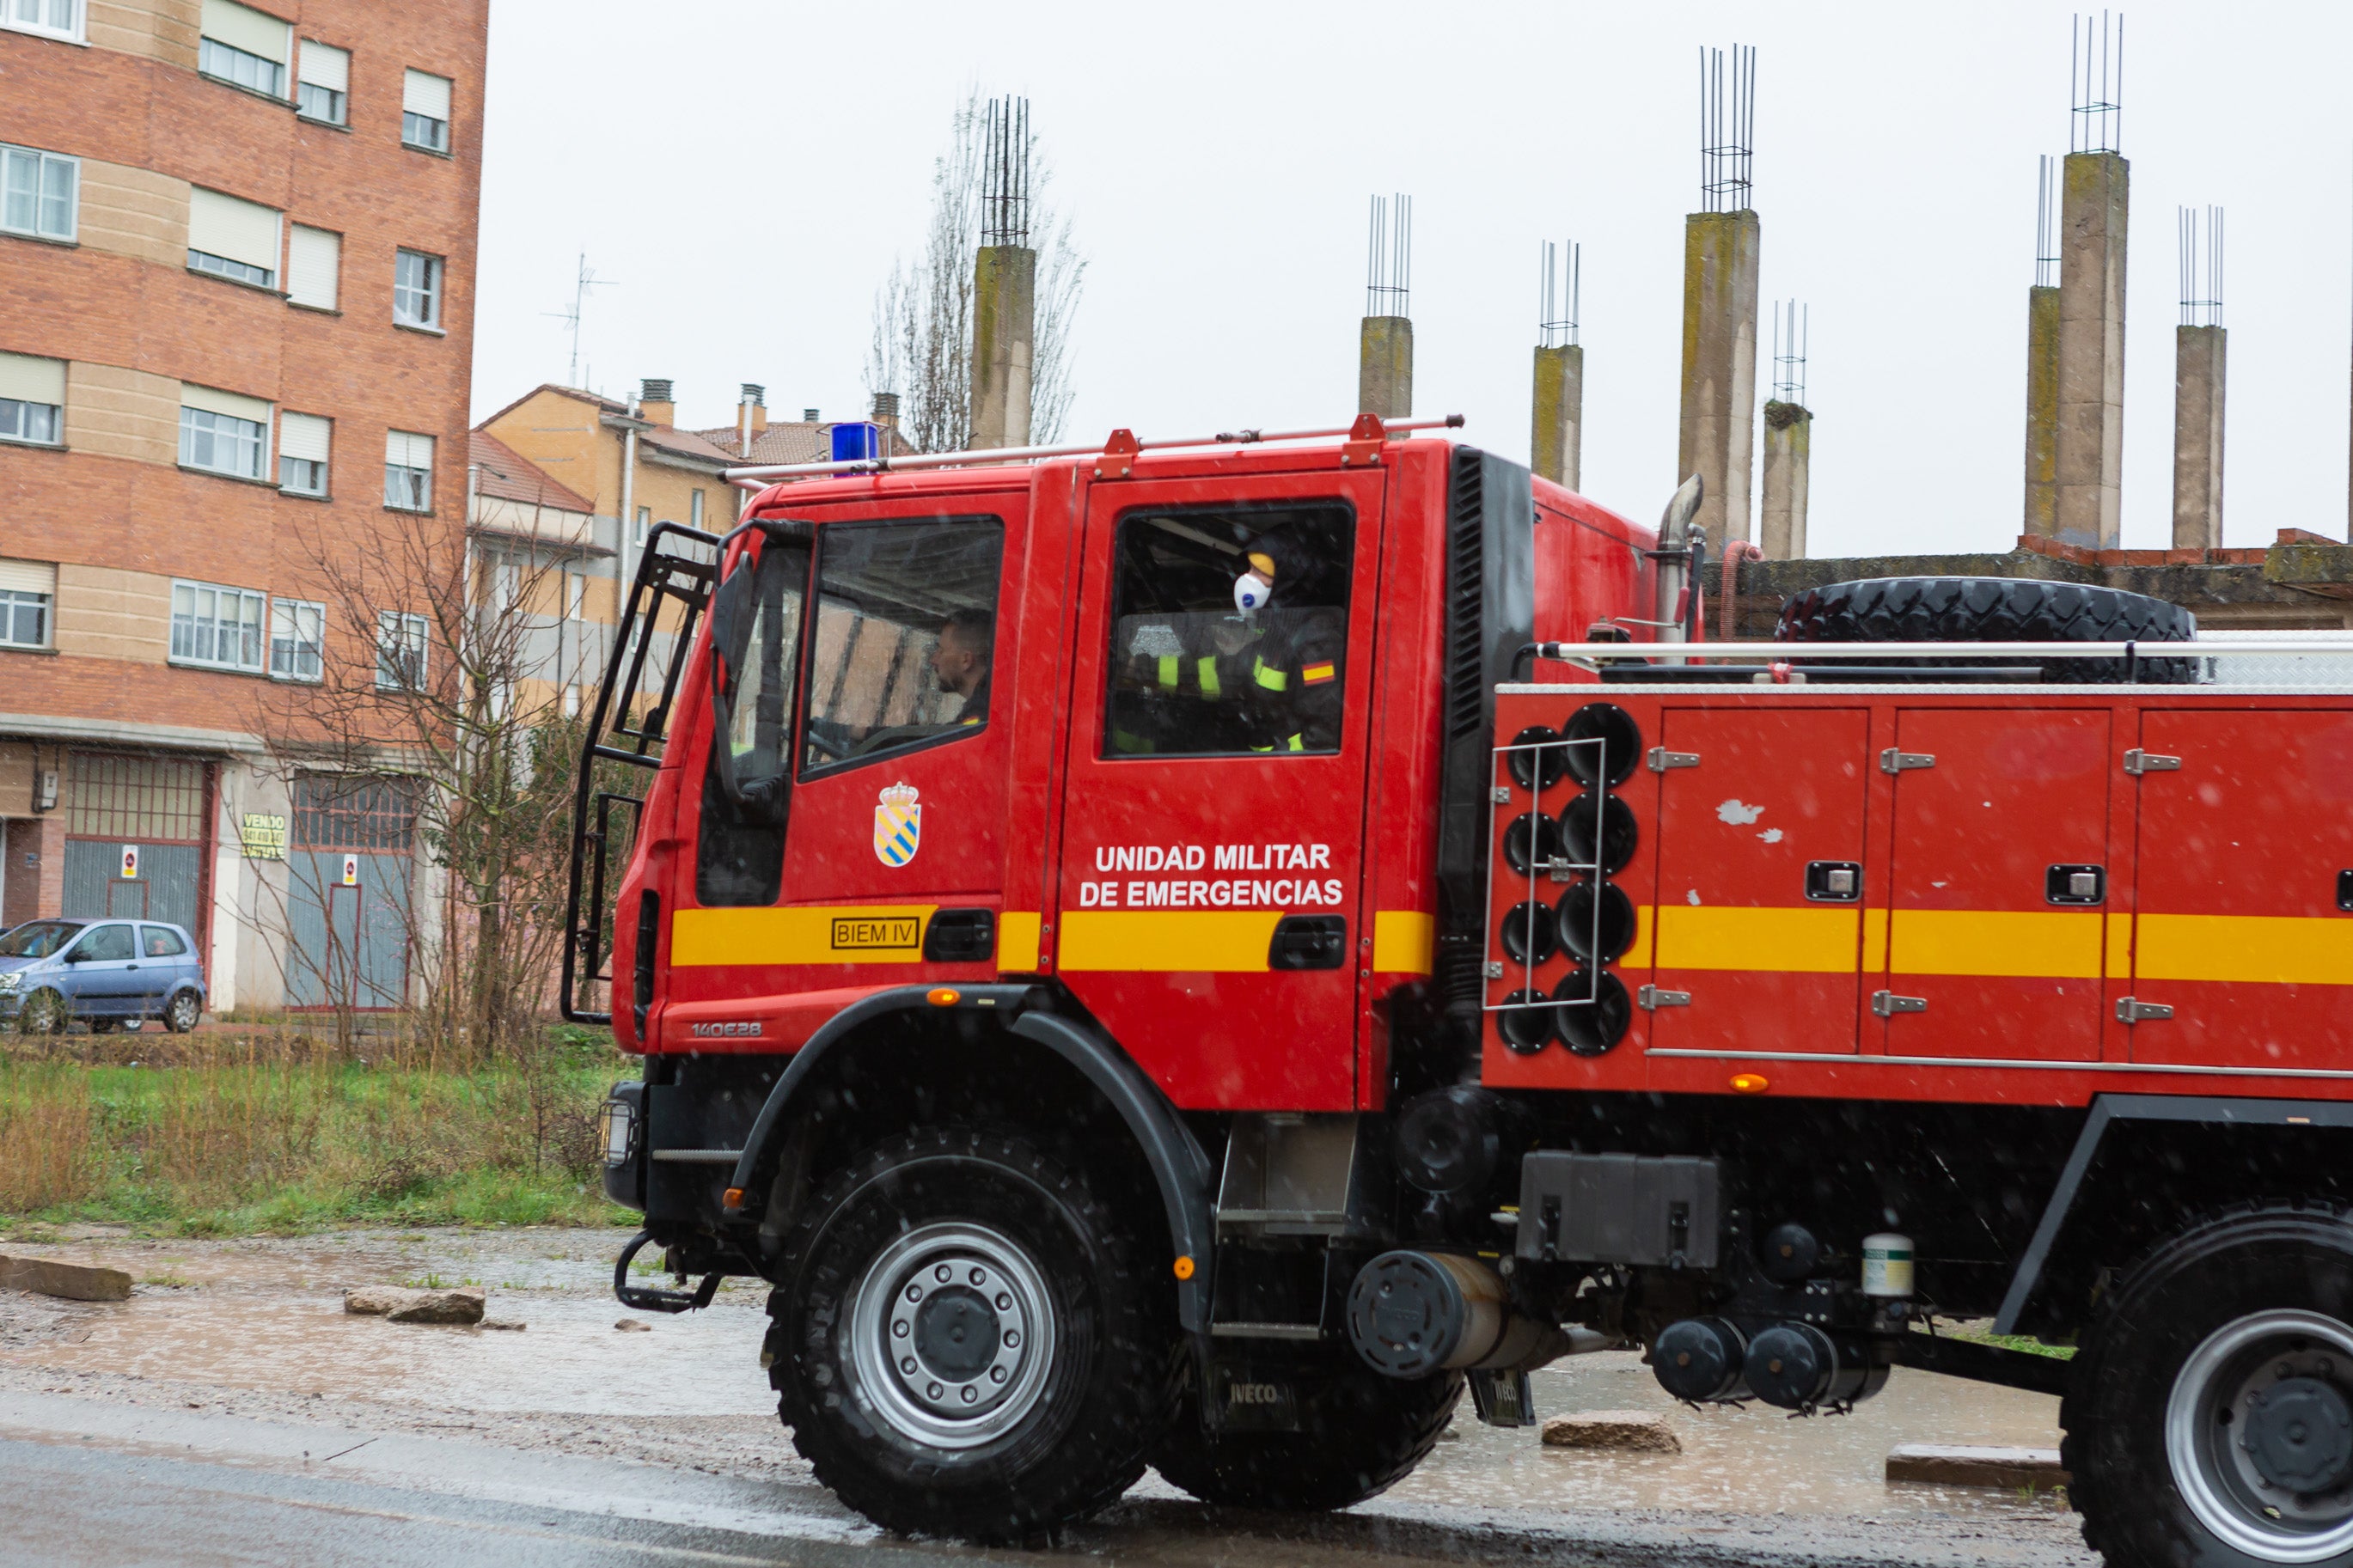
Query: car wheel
x,y
2211,1420
180,1014
966,1340
44,1012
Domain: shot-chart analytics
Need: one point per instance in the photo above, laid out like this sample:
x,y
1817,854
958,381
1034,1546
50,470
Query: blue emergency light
x,y
857,442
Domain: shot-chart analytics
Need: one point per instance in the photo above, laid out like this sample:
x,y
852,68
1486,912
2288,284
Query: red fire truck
x,y
1194,956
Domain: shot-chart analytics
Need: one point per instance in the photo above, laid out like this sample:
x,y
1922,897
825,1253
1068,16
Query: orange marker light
x,y
944,997
732,1199
1749,1083
1184,1268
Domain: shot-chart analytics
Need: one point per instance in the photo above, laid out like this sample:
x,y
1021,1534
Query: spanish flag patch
x,y
1317,674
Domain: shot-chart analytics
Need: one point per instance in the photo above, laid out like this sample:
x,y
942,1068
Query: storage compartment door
x,y
1995,943
2246,865
1773,797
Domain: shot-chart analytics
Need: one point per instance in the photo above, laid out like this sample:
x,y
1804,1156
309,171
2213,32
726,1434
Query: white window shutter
x,y
28,576
426,94
303,437
31,379
236,405
313,259
243,27
230,227
405,449
323,65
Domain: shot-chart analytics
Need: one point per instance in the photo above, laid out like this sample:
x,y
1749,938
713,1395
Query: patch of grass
x,y
170,1281
1975,1333
239,1136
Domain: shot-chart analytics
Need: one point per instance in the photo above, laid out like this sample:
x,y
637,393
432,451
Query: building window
x,y
575,596
314,259
639,526
407,471
244,47
28,589
399,652
222,433
322,93
54,18
303,441
417,289
216,626
297,639
32,396
694,509
424,111
38,191
233,238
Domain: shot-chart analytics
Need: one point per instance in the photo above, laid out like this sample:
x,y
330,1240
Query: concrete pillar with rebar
x,y
1789,450
2042,520
1003,284
2200,347
1385,339
1557,442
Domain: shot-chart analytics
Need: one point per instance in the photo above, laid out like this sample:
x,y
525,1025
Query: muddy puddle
x,y
1753,1460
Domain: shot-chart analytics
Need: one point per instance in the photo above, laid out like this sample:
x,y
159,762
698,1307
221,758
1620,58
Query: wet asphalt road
x,y
232,1413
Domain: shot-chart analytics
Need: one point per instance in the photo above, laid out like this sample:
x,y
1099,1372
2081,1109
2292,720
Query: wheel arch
x,y
1020,1015
2145,1167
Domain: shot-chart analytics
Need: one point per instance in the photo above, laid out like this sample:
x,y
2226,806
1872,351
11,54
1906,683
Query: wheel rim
x,y
2259,1433
184,1013
952,1334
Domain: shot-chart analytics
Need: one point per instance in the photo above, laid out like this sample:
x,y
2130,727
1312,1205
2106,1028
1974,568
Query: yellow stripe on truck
x,y
2061,944
2278,949
838,933
1403,940
1168,942
1806,940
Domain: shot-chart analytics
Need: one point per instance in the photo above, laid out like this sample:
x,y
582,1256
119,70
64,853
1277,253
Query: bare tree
x,y
440,695
924,310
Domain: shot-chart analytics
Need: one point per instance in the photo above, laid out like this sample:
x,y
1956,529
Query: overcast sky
x,y
747,172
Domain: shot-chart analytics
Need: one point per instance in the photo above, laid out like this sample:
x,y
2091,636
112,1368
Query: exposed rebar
x,y
1559,287
2046,224
2096,69
1389,258
1005,172
1728,120
2201,275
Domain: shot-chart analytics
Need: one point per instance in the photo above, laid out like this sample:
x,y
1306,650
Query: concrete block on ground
x,y
1963,1465
72,1281
634,1326
1627,1431
396,1305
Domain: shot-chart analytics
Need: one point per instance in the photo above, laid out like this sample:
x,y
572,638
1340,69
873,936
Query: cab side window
x,y
105,943
740,851
905,644
1229,631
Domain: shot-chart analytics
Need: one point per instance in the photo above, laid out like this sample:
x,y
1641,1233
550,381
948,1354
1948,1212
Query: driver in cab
x,y
961,661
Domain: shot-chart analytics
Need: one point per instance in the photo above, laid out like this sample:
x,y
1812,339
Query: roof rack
x,y
1368,427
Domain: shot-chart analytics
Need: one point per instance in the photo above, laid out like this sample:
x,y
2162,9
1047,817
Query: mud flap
x,y
1504,1398
1245,1395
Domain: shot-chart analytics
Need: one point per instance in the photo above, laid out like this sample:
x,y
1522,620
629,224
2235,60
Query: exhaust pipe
x,y
1682,546
1412,1314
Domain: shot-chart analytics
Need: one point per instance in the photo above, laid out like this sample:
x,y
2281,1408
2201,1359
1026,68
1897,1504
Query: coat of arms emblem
x,y
898,825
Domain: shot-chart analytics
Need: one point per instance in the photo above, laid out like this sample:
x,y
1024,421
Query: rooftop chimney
x,y
886,409
808,417
655,405
751,414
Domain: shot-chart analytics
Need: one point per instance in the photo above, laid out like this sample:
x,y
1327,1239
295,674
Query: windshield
x,y
38,939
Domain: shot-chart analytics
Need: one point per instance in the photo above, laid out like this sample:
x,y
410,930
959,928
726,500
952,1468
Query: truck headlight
x,y
619,1122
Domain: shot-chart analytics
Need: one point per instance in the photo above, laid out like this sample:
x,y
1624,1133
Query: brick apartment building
x,y
239,244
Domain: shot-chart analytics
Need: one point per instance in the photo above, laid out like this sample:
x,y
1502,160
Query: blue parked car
x,y
104,973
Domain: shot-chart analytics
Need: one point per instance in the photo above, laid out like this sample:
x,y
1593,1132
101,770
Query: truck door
x,y
1209,902
871,849
1999,884
2243,923
1751,924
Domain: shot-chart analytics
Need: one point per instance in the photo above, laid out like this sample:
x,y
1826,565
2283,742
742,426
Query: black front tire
x,y
181,1013
1030,1250
1360,1433
2165,1406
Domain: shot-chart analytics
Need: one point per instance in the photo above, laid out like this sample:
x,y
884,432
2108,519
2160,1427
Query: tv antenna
x,y
581,283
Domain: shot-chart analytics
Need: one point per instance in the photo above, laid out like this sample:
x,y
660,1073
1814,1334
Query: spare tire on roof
x,y
1997,609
